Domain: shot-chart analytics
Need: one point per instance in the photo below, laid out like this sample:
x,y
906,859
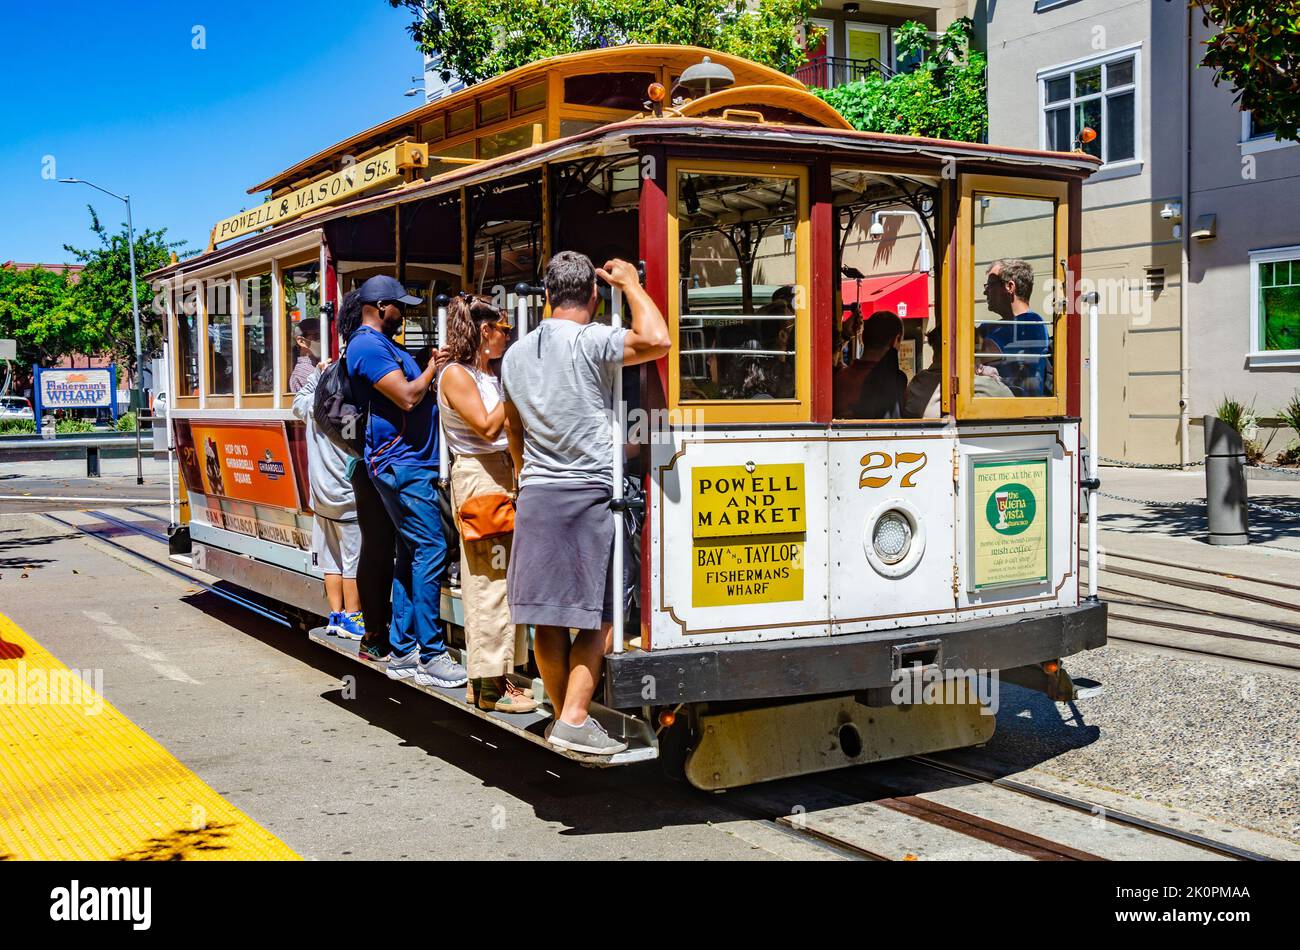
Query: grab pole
x,y
619,434
1094,449
523,294
444,454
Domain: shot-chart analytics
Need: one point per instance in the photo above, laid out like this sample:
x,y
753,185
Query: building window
x,y
1254,129
1275,303
1100,93
1259,136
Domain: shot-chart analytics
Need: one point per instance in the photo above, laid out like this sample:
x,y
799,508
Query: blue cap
x,y
381,287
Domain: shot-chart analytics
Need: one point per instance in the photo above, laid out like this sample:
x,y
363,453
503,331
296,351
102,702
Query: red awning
x,y
907,295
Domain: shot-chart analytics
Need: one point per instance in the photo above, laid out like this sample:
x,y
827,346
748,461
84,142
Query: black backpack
x,y
337,412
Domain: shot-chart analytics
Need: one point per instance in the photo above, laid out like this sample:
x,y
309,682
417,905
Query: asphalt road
x,y
339,762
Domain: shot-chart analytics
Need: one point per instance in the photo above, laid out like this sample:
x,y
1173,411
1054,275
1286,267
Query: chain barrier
x,y
1253,506
1292,472
1149,503
1120,463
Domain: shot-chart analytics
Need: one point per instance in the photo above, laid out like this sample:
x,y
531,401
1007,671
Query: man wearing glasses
x,y
402,459
1018,344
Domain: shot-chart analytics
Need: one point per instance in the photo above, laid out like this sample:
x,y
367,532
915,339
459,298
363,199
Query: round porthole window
x,y
895,539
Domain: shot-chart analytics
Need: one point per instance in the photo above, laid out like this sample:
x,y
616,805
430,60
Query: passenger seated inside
x,y
1016,345
924,395
872,386
926,382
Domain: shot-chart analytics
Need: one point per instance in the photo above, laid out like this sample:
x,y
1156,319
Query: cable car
x,y
859,468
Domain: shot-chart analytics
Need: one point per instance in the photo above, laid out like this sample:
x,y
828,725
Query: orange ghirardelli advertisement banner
x,y
248,461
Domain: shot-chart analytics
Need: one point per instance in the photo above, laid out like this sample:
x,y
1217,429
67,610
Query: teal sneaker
x,y
373,652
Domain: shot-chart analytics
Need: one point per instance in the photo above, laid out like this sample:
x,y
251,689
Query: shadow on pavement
x,y
1189,520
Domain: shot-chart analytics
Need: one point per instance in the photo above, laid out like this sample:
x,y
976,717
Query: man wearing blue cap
x,y
402,458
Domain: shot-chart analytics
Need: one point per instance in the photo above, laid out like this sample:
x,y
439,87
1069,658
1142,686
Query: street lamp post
x,y
135,317
135,302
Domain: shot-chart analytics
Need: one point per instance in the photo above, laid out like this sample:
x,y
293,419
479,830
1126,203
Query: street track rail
x,y
1199,570
1204,588
1042,794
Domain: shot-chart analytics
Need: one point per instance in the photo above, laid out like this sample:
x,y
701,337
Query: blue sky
x,y
116,94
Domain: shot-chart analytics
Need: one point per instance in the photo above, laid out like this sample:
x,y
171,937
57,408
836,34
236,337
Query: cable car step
x,y
639,735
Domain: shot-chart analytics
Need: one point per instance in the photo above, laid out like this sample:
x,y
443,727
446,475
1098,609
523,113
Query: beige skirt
x,y
495,644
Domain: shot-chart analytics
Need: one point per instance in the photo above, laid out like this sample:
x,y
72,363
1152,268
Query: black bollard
x,y
1225,483
92,461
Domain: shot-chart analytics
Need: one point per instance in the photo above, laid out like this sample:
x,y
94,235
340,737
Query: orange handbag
x,y
487,516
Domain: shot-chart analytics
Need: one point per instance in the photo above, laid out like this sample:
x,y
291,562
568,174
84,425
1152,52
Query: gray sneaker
x,y
402,667
442,670
590,738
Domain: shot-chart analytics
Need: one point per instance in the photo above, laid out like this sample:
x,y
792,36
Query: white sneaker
x,y
403,667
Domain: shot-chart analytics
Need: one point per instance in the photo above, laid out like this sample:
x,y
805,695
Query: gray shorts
x,y
561,563
335,546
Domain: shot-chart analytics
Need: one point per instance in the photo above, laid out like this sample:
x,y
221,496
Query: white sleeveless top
x,y
461,438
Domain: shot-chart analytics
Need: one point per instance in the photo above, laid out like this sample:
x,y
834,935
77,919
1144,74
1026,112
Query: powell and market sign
x,y
376,170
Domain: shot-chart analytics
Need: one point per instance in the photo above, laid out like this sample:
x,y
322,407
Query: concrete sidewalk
x,y
1163,515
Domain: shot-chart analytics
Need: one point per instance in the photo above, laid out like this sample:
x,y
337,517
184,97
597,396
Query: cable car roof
x,y
916,158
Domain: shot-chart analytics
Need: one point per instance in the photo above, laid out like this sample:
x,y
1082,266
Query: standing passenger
x,y
473,423
558,383
402,456
378,536
335,537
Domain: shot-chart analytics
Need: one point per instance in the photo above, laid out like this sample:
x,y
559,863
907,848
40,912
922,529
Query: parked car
x,y
15,407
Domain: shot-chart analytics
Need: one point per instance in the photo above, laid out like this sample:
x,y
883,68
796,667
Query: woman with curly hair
x,y
473,420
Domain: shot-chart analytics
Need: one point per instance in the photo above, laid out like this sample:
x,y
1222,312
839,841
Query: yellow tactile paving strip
x,y
78,780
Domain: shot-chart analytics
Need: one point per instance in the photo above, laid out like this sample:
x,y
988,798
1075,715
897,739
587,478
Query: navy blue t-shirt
x,y
1024,336
393,437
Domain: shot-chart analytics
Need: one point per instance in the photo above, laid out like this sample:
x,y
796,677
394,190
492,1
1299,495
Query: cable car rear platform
x,y
639,736
863,664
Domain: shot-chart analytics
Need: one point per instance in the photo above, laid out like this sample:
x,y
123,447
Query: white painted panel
x,y
1060,443
871,473
676,622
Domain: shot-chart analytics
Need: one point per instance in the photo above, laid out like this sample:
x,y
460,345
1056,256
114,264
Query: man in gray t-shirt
x,y
558,383
560,379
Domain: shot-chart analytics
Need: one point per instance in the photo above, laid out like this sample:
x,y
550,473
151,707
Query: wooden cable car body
x,y
773,634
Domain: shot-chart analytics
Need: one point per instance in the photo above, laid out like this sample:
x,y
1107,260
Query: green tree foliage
x,y
943,97
42,311
478,39
1257,53
104,291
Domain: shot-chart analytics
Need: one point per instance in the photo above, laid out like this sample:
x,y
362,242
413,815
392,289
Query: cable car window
x,y
460,120
737,297
436,167
494,109
256,319
528,98
1014,253
301,288
186,306
626,91
511,140
574,126
221,342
